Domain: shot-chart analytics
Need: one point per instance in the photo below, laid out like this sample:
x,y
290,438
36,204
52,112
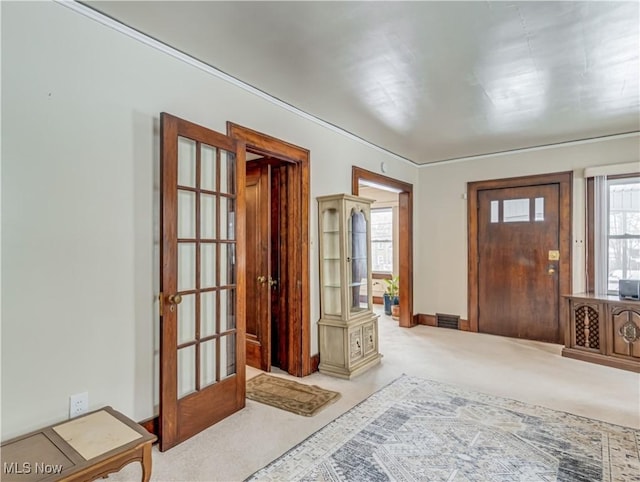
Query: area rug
x,y
289,395
420,430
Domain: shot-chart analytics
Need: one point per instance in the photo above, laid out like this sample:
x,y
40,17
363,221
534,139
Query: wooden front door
x,y
518,247
202,299
259,279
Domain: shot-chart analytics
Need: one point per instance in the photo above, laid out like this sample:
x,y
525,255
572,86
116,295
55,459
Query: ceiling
x,y
428,81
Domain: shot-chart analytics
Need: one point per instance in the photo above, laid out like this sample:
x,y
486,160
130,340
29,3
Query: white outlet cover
x,y
78,404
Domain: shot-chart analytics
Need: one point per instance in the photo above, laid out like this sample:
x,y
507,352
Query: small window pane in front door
x,y
515,210
495,211
539,206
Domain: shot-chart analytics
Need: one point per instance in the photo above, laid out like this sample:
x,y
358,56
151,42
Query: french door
x,y
202,299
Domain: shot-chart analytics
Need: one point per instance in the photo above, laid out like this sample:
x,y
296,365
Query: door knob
x,y
175,299
262,279
272,282
551,270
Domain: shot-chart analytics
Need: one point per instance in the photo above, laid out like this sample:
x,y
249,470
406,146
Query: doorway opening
x,y
277,265
360,178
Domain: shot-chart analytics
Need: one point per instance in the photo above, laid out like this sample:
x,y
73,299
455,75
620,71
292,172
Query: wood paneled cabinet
x,y
604,330
348,328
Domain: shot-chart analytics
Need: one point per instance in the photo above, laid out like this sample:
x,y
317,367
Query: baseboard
x,y
430,320
152,425
314,362
464,325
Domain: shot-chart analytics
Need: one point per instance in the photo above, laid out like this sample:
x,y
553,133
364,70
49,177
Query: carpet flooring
x,y
417,429
289,395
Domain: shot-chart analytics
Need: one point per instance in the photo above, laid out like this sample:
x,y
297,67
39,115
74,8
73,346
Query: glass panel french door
x,y
202,299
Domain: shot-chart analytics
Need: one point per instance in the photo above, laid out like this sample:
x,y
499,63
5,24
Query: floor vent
x,y
447,321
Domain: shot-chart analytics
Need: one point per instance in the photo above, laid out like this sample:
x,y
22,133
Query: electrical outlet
x,y
78,404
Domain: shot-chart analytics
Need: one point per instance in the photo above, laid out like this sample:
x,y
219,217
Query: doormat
x,y
415,429
289,395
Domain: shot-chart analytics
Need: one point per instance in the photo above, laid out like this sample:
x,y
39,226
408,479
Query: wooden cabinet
x,y
348,328
604,330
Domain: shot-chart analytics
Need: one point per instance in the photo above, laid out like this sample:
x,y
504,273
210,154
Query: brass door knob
x,y
175,299
262,279
551,270
272,282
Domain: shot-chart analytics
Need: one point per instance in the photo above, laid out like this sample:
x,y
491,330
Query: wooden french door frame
x,y
212,397
405,238
565,183
297,284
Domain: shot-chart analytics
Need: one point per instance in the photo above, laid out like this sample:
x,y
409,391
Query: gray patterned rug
x,y
420,430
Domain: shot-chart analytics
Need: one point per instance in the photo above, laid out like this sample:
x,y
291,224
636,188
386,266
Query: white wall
x,y
441,250
80,108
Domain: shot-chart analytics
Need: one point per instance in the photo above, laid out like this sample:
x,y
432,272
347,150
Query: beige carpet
x,y
289,395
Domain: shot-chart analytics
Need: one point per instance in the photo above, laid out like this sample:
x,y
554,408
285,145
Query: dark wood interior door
x,y
259,279
518,243
202,299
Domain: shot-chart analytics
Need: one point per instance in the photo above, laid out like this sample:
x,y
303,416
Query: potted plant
x,y
391,295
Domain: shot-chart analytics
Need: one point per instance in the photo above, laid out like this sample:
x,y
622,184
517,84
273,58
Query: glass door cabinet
x,y
348,328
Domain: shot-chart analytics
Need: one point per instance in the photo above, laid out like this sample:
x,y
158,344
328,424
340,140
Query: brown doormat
x,y
289,395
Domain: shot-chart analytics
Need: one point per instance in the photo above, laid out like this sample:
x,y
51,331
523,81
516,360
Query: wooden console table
x,y
604,330
82,449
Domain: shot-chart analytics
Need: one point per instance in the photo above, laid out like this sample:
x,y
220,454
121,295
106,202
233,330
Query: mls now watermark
x,y
29,468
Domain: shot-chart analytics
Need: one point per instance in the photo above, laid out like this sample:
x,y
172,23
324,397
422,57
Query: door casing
x,y
405,241
565,183
296,287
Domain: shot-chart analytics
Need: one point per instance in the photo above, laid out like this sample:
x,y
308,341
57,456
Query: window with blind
x,y
382,240
614,236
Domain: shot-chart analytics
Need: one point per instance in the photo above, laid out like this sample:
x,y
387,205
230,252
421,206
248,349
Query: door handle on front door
x,y
262,279
272,282
551,270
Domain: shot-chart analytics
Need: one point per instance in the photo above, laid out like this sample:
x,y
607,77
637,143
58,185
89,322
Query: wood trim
x,y
565,181
297,166
375,275
405,241
600,359
315,362
151,425
427,320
